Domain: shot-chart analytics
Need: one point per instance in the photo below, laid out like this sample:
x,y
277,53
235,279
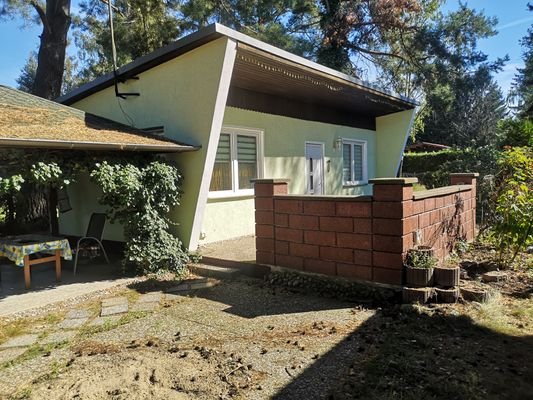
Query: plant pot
x,y
419,277
450,295
417,295
447,277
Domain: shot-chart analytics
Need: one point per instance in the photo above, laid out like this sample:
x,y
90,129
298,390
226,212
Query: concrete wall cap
x,y
280,180
393,181
466,174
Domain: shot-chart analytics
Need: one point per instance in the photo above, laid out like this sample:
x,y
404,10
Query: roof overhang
x,y
301,79
103,146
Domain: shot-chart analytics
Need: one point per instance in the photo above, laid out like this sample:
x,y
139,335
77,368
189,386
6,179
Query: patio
x,y
92,276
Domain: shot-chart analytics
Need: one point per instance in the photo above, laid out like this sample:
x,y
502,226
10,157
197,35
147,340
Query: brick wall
x,y
365,237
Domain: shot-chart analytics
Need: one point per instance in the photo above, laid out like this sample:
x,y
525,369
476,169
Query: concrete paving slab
x,y
20,341
10,354
172,297
100,321
78,314
114,301
112,310
147,307
58,337
72,323
152,297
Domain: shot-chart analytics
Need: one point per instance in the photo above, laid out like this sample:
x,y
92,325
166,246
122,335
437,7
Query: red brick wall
x,y
362,238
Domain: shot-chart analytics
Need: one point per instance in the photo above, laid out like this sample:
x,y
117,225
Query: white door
x,y
314,168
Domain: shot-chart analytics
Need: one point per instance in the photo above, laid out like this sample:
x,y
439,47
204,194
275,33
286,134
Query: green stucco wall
x,y
284,157
180,95
83,195
391,134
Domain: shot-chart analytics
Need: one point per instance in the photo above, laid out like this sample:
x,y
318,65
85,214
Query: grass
x,y
21,326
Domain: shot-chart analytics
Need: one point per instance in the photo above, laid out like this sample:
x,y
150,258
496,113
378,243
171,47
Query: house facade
x,y
254,111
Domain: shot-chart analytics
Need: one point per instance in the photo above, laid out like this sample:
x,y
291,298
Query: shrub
x,y
513,203
140,198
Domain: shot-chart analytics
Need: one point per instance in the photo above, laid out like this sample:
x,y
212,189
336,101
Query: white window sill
x,y
226,194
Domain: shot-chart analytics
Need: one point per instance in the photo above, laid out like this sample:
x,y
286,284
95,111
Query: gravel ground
x,y
238,339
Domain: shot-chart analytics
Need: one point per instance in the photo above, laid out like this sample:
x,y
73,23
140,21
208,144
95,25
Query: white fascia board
x,y
214,135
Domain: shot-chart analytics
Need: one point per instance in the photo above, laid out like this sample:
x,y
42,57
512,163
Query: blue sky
x,y
514,20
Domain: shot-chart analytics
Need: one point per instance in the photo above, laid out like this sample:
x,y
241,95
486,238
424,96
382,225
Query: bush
x,y
140,198
513,203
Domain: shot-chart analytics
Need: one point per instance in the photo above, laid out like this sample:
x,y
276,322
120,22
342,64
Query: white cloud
x,y
514,23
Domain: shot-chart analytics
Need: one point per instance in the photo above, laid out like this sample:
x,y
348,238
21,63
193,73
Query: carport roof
x,y
30,121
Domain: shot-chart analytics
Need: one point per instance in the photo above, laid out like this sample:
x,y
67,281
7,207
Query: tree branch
x,y
375,53
42,14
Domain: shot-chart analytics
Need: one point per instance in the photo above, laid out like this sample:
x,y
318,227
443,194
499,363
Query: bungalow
x,y
254,111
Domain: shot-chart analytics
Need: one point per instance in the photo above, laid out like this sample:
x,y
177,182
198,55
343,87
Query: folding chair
x,y
95,231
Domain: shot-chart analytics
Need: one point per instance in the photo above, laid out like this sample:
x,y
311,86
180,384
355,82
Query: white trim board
x,y
230,55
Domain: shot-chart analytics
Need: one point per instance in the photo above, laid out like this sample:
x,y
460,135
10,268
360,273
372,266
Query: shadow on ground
x,y
398,355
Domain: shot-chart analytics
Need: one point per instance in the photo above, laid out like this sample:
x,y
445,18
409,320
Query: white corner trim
x,y
402,151
214,134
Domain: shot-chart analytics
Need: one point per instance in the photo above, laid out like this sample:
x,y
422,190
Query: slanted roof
x,y
30,121
263,73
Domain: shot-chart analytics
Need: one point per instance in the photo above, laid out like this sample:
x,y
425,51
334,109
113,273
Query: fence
x,y
364,238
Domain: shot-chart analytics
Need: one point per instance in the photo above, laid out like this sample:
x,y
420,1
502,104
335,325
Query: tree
x,y
54,16
25,81
523,84
140,26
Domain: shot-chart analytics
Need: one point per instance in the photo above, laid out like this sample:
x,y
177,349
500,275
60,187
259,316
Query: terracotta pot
x,y
450,295
447,277
417,295
419,277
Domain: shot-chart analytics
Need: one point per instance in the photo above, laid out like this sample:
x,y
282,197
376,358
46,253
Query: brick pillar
x,y
393,224
264,191
468,178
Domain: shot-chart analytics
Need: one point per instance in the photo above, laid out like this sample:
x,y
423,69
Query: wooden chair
x,y
95,231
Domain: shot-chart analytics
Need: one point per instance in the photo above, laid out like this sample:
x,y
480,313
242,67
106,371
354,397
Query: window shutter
x,y
358,162
221,178
346,162
247,160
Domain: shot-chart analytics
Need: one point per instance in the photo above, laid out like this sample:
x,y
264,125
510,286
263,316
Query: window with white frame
x,y
354,168
237,162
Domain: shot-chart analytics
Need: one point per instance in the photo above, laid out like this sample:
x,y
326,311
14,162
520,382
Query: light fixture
x,y
337,144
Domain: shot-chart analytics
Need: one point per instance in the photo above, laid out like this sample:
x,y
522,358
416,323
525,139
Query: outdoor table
x,y
19,248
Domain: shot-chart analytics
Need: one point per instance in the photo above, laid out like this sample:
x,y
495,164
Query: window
x,y
237,162
354,171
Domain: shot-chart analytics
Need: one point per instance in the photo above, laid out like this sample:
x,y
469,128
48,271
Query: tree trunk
x,y
51,59
52,211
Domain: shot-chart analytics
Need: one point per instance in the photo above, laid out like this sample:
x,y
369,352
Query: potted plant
x,y
419,266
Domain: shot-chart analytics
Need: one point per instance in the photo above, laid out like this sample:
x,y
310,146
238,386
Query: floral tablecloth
x,y
16,247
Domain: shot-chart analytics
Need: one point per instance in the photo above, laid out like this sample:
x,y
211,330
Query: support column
x,y
393,226
264,192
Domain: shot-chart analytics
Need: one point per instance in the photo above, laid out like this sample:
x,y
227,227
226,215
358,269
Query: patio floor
x,y
92,276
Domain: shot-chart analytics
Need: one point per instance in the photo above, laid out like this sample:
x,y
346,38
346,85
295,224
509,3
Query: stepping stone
x,y
100,321
112,310
145,306
10,354
172,297
72,323
20,341
154,297
182,287
494,276
58,337
78,314
114,301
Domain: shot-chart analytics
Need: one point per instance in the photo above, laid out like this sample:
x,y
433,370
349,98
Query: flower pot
x,y
417,295
447,277
419,277
450,295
